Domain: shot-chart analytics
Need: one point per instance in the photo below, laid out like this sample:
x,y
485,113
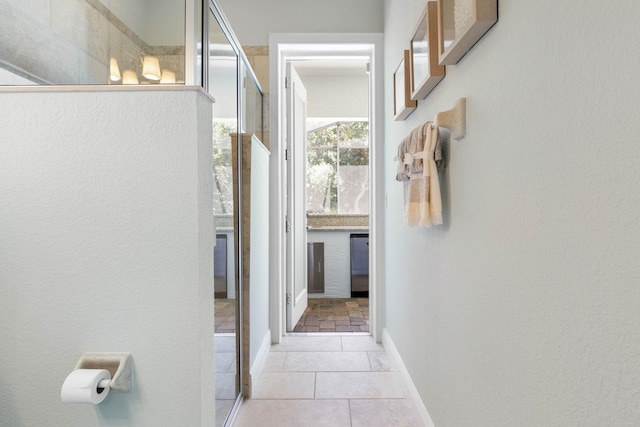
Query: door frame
x,y
287,46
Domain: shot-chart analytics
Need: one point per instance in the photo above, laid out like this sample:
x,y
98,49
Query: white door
x,y
296,197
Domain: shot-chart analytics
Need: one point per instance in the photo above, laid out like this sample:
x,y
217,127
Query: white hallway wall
x,y
106,244
522,309
259,249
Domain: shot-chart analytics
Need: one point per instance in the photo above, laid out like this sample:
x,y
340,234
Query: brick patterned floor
x,y
335,315
321,315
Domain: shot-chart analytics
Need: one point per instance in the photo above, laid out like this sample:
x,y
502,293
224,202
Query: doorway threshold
x,y
327,334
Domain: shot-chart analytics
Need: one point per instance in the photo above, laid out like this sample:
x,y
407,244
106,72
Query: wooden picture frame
x,y
426,71
462,23
403,105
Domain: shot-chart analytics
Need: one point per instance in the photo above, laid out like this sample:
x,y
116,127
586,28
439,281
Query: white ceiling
x,y
331,67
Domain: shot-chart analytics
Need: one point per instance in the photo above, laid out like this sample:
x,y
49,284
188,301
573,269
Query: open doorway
x,y
332,208
337,193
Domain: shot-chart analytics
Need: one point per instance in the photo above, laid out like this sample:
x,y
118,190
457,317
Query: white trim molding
x,y
261,356
393,353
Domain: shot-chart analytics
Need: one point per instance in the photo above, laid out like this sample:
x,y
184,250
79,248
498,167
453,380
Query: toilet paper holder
x,y
119,365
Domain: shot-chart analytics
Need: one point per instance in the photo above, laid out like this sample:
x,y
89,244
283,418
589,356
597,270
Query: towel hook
x,y
454,119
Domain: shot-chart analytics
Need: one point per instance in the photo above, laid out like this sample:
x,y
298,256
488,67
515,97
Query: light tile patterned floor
x,y
339,380
225,360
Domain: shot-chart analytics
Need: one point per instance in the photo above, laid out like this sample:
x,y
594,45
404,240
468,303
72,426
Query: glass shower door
x,y
237,115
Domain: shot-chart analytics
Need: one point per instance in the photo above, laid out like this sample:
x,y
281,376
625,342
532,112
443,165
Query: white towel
x,y
418,171
434,199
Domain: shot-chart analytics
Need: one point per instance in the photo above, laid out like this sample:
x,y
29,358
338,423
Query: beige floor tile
x,y
225,386
380,362
285,385
225,362
359,385
335,381
384,413
222,410
320,343
224,343
360,343
294,413
274,362
326,362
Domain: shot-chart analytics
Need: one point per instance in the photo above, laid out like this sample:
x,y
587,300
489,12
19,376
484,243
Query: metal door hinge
x,y
287,82
287,226
286,154
288,298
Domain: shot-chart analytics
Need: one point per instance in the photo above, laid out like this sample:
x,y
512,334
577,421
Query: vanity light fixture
x,y
129,77
114,70
151,67
168,77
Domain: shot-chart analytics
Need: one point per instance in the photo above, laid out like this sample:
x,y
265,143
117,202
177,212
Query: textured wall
x,y
522,309
106,245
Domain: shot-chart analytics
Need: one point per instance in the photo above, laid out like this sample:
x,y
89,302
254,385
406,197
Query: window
x,y
338,167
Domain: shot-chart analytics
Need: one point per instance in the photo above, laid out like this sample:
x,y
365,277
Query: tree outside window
x,y
337,167
222,171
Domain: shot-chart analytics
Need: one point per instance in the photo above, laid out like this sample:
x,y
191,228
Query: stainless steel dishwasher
x,y
360,265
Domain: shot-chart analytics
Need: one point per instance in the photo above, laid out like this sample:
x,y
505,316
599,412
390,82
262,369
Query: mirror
x,y
426,73
251,105
223,75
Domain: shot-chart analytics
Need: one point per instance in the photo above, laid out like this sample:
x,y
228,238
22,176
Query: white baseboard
x,y
261,357
392,352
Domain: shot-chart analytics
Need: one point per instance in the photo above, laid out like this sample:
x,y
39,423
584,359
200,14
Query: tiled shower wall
x,y
71,41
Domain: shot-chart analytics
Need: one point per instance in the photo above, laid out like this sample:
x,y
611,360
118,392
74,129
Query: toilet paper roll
x,y
83,386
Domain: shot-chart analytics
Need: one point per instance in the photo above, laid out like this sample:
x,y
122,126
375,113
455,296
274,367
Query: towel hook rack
x,y
454,119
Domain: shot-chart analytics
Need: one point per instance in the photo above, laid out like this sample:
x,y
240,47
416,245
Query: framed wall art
x,y
403,105
462,23
426,72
